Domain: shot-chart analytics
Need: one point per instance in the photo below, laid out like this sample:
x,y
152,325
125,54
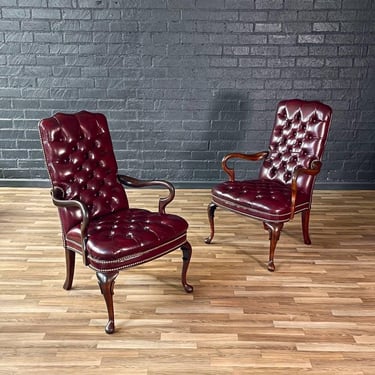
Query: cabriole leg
x,y
211,213
274,230
70,260
106,284
186,255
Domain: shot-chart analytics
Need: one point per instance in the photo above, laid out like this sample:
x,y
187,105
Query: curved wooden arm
x,y
136,183
230,171
58,200
312,171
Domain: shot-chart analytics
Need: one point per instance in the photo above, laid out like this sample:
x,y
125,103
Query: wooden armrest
x,y
314,169
236,155
136,183
58,194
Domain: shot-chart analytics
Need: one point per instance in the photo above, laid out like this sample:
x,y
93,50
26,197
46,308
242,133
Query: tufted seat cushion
x,y
267,200
129,237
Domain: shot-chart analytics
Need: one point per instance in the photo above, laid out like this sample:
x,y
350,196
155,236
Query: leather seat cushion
x,y
266,200
129,237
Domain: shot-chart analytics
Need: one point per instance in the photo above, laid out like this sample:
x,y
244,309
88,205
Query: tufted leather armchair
x,y
286,179
96,219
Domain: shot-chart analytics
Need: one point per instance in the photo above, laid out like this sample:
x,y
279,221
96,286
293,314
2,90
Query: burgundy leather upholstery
x,y
128,237
292,162
80,160
260,199
96,219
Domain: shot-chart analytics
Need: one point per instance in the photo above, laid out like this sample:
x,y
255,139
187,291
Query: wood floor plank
x,y
315,315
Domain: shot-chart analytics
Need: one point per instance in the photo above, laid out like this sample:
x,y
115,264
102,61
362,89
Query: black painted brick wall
x,y
182,82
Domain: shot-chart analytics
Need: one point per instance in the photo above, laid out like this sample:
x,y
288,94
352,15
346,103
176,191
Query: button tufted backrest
x,y
299,136
80,160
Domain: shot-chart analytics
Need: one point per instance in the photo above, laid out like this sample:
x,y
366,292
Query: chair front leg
x,y
274,230
211,214
305,226
106,284
70,260
186,255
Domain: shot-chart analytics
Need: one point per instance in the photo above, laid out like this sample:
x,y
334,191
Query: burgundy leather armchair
x,y
96,219
286,179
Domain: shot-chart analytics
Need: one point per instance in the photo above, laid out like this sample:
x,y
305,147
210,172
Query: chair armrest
x,y
57,194
136,183
236,155
314,169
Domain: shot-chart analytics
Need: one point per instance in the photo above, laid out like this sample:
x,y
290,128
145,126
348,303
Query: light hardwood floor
x,y
315,315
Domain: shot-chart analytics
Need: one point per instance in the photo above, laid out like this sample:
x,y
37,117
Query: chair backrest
x,y
298,137
80,160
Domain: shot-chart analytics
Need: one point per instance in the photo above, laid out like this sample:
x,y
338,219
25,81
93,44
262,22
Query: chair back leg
x,y
211,215
70,260
305,226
